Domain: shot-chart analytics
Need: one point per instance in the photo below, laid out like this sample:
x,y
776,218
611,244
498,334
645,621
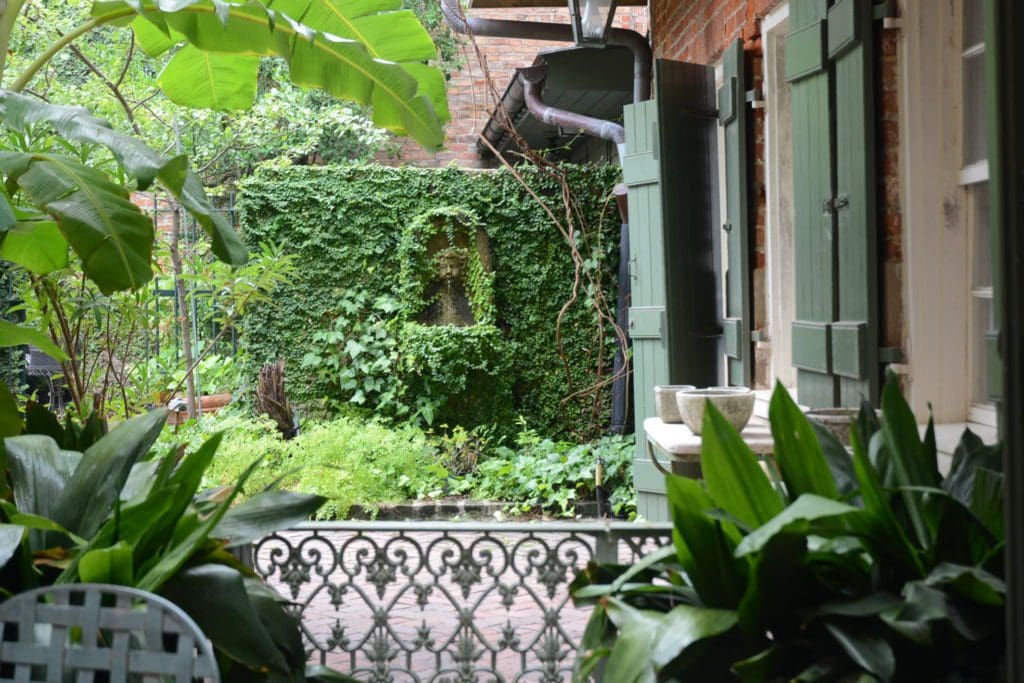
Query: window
x,y
974,181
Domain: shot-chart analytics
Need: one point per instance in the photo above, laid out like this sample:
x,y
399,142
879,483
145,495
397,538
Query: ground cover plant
x,y
346,226
351,459
873,567
554,476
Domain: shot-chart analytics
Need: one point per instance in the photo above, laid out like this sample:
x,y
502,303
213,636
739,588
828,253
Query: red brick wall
x,y
698,30
469,98
890,215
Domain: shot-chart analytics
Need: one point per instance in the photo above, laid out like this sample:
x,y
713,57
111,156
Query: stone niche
x,y
454,355
448,270
454,255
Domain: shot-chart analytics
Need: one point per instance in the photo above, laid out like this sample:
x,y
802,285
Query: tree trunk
x,y
184,323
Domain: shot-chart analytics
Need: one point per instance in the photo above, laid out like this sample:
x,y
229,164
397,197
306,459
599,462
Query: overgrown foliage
x,y
347,460
78,505
554,476
353,460
837,568
345,224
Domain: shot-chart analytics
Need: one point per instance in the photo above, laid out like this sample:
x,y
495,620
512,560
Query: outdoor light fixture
x,y
591,19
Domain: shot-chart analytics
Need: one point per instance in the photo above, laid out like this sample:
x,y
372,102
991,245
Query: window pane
x,y
974,22
981,235
975,142
982,324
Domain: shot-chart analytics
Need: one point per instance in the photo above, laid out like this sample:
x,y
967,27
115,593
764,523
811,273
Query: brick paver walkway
x,y
428,605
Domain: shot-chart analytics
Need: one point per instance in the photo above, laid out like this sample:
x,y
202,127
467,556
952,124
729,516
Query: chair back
x,y
92,633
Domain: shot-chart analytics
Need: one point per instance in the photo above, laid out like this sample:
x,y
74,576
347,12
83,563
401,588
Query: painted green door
x,y
732,117
674,321
835,336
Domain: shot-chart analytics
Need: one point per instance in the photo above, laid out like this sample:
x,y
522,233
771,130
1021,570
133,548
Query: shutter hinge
x,y
631,267
832,205
888,14
759,336
756,98
727,227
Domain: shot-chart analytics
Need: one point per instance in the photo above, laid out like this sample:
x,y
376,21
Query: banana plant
x,y
81,505
830,566
367,51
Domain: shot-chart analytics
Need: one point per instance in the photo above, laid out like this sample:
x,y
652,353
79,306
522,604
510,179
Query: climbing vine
x,y
346,226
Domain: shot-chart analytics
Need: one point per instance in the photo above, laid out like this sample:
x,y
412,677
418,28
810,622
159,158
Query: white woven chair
x,y
96,633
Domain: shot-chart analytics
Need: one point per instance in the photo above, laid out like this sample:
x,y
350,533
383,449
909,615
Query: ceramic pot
x,y
665,401
839,421
735,403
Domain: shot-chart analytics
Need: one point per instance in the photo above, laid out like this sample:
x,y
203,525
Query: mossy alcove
x,y
450,340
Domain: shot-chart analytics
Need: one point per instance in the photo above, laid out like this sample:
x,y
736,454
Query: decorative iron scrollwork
x,y
437,602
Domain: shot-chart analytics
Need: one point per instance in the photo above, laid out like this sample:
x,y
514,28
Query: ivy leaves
x,y
345,225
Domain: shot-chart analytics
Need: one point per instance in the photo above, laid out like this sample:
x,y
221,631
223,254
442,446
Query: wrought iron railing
x,y
444,602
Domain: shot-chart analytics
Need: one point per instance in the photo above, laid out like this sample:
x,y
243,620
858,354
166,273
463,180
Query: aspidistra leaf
x,y
797,449
733,477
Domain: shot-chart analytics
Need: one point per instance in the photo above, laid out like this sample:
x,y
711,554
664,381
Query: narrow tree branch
x,y
111,85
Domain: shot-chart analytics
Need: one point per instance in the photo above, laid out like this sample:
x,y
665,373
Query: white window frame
x,y
779,240
936,241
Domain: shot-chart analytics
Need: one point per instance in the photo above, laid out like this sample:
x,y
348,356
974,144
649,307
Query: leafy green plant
x,y
359,358
114,513
346,224
347,460
835,568
68,175
553,476
461,373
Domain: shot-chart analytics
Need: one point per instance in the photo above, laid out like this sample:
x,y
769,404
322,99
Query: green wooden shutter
x,y
835,337
669,168
732,117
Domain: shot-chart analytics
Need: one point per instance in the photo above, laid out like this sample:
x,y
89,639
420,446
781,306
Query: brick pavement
x,y
431,605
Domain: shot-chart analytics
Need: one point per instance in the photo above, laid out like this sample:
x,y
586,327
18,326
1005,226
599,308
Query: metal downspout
x,y
533,80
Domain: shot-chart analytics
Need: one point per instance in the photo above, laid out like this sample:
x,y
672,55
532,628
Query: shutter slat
x,y
814,228
732,117
855,350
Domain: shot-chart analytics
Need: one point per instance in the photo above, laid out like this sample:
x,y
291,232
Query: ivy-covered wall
x,y
346,223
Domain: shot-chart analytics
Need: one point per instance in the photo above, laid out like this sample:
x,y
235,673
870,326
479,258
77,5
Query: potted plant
x,y
834,568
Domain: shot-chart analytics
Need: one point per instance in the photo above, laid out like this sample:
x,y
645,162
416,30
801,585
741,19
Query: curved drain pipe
x,y
556,33
533,81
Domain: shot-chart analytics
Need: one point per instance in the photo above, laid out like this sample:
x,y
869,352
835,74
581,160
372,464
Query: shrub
x,y
553,476
346,460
